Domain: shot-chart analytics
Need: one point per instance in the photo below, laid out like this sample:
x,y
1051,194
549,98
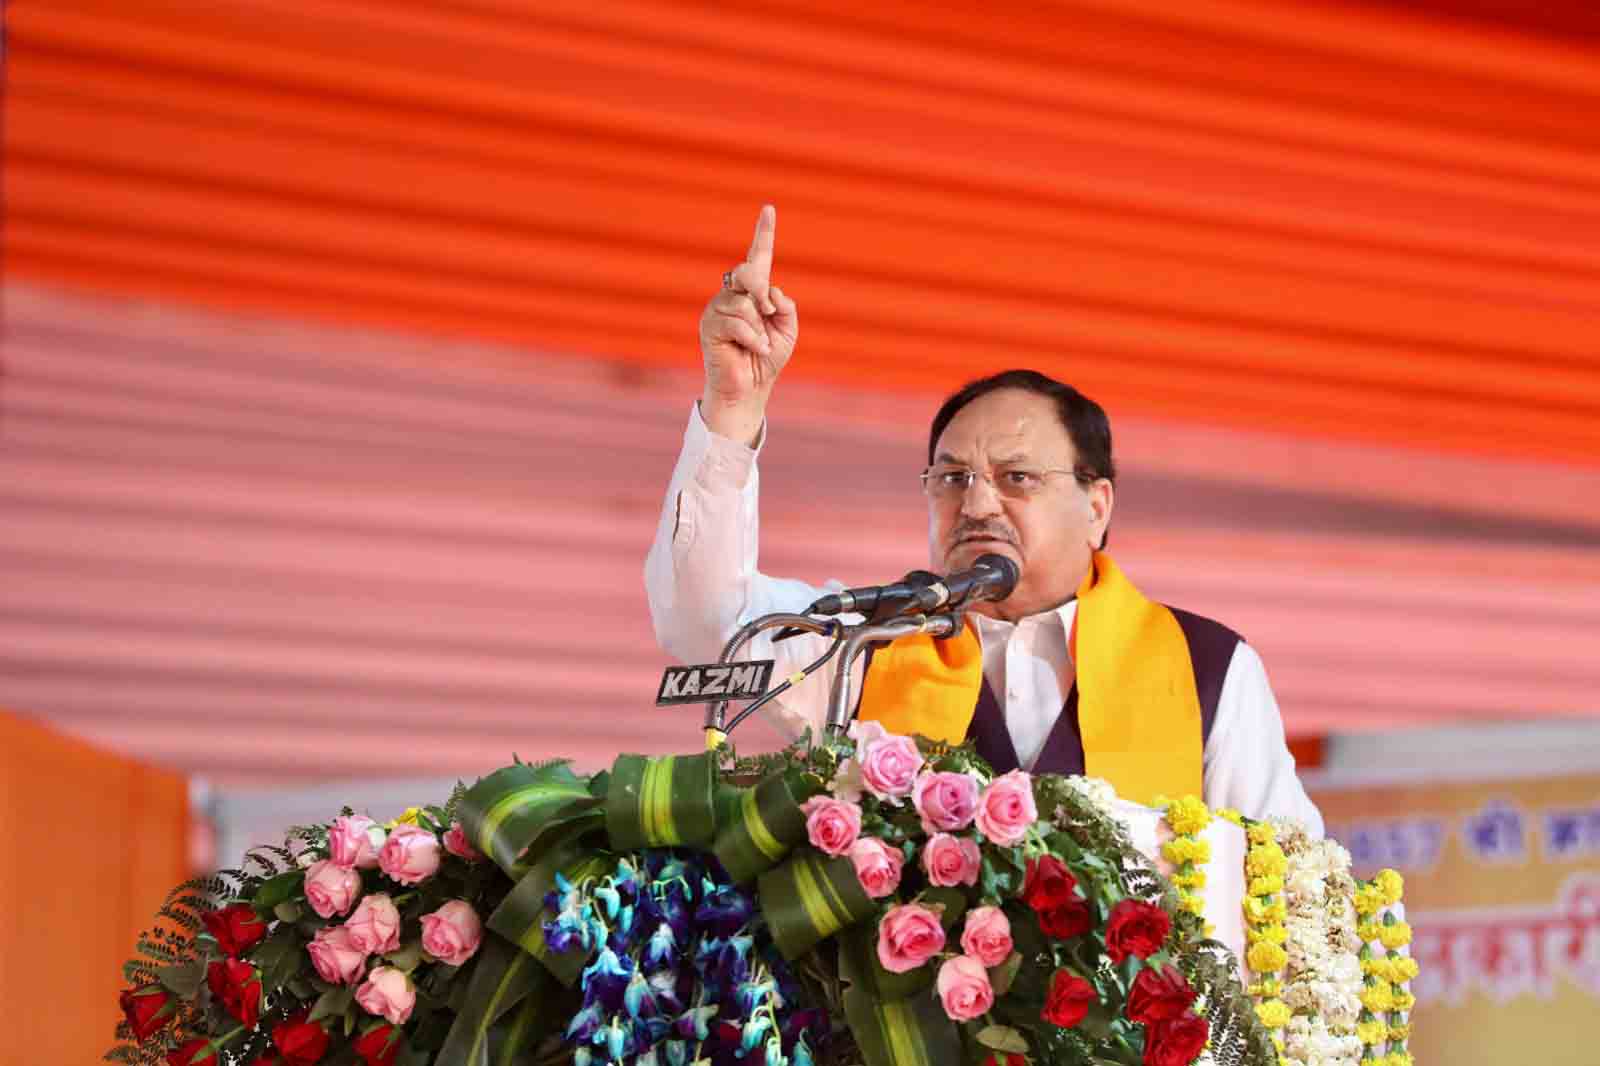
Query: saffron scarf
x,y
1138,708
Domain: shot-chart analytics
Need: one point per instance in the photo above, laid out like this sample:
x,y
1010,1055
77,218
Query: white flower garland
x,y
1323,981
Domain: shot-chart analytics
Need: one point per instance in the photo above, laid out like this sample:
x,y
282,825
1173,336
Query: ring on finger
x,y
727,281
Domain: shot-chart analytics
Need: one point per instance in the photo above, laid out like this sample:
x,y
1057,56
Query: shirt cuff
x,y
724,464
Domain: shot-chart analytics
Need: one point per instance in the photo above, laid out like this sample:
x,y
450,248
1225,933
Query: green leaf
x,y
1001,976
332,1003
407,958
279,957
276,890
1004,1039
508,810
505,976
288,911
184,979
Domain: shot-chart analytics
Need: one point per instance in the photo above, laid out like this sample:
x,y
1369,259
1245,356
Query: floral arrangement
x,y
875,899
1322,983
1187,817
1265,913
1385,999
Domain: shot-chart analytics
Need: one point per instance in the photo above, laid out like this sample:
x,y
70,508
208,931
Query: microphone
x,y
991,577
878,602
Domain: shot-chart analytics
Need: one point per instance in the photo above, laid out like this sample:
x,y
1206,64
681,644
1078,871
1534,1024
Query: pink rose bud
x,y
945,800
987,936
831,824
354,840
375,926
909,936
410,855
336,956
330,888
889,767
1007,810
452,933
877,866
964,988
950,861
388,994
457,844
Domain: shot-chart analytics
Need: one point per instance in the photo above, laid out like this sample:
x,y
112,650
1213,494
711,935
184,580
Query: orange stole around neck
x,y
1138,709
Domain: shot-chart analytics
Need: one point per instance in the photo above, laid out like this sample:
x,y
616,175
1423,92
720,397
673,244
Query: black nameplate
x,y
710,682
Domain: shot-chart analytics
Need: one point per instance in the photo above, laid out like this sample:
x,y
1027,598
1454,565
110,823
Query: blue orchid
x,y
609,898
695,1023
616,1039
606,978
662,947
677,1052
754,1030
775,1051
639,999
585,1023
800,1056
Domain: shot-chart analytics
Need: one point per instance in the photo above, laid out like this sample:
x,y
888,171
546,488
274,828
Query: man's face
x,y
1004,436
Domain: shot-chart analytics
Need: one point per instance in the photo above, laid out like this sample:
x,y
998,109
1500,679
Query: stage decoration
x,y
1187,817
1264,913
1386,999
1322,981
873,899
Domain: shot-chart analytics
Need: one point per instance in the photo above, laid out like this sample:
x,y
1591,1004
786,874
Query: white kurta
x,y
702,582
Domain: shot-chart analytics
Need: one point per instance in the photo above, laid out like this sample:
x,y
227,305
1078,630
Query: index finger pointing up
x,y
759,275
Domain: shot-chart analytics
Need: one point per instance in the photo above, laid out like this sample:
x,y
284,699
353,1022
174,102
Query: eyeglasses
x,y
946,483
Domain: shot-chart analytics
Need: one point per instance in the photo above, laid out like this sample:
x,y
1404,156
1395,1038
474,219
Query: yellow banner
x,y
1503,893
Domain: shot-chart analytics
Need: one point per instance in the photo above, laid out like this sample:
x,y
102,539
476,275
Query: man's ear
x,y
1102,499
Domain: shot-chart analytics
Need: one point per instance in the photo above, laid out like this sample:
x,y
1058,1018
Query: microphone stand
x,y
850,639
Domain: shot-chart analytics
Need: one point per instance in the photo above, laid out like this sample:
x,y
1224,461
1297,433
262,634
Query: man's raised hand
x,y
747,333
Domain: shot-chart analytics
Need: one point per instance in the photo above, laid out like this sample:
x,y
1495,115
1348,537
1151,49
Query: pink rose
x,y
375,926
964,988
452,933
889,767
354,840
410,855
950,860
877,866
945,800
330,888
338,959
987,935
909,936
831,824
457,844
1006,810
388,994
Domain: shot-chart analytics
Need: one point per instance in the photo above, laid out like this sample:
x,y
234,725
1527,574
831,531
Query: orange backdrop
x,y
1335,220
92,844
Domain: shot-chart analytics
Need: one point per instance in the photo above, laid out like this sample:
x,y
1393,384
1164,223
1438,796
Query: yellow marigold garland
x,y
1264,914
1385,1000
1187,816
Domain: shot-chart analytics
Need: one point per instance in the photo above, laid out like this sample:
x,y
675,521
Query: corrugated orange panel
x,y
1336,221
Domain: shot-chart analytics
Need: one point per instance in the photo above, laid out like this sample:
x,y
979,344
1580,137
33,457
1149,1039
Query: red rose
x,y
197,1052
1048,884
237,986
1066,920
1011,1060
1176,1042
1069,999
1158,995
380,1046
1136,928
236,929
147,1009
300,1042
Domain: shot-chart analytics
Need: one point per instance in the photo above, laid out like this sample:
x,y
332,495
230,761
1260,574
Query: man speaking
x,y
1074,672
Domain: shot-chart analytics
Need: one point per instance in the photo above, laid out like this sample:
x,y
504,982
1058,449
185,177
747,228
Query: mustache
x,y
987,530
